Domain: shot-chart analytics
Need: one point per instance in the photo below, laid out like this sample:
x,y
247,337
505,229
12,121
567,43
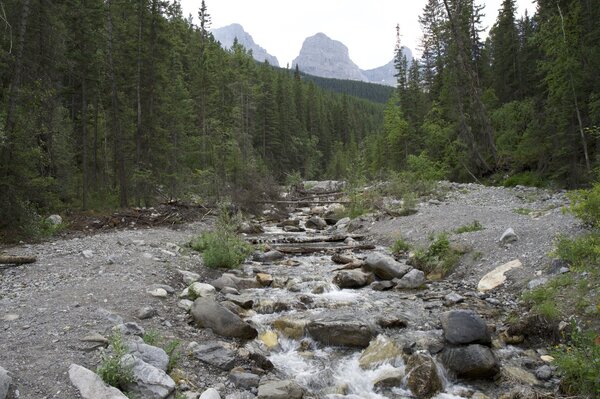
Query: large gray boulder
x,y
244,379
5,383
210,393
316,223
216,355
285,389
385,267
210,314
472,361
341,330
413,279
148,353
89,384
352,279
464,327
148,382
423,377
267,257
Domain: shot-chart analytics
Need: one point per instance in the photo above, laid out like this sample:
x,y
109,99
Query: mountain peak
x,y
227,34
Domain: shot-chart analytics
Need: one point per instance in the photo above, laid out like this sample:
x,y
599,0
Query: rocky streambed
x,y
320,311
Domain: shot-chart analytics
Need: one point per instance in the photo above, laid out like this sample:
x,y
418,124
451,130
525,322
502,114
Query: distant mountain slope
x,y
322,56
328,58
385,74
368,91
227,34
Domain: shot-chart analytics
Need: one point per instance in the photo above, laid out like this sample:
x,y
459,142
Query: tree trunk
x,y
116,126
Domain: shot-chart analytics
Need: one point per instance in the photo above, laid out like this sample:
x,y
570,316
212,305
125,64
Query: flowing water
x,y
303,289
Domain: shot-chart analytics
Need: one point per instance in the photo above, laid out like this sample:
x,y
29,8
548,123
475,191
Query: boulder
x,y
54,220
497,276
243,379
185,304
188,277
153,355
264,279
267,257
472,361
269,339
130,328
291,327
243,301
210,393
316,222
512,373
209,314
413,279
201,290
215,354
352,279
464,327
385,267
380,350
382,285
226,280
250,228
89,384
537,282
286,389
147,312
423,378
342,330
5,383
148,382
508,236
389,378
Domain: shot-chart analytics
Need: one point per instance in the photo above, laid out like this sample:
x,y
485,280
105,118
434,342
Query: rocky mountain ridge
x,y
319,56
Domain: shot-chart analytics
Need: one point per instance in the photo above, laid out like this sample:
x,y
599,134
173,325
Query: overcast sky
x,y
366,27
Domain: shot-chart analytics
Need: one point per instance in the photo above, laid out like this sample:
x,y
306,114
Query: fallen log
x,y
310,250
16,260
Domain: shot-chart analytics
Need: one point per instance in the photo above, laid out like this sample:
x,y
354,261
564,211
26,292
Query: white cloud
x,y
366,27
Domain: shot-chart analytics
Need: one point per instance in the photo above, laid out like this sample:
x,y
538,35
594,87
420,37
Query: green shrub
x,y
579,363
111,370
467,228
582,253
439,257
528,178
174,355
152,337
400,246
585,204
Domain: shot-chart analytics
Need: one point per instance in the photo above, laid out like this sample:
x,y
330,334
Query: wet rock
x,y
343,222
380,350
130,328
147,312
508,236
423,377
389,379
385,267
544,372
259,357
383,285
291,327
511,339
269,339
243,379
210,393
413,279
294,229
316,223
264,279
226,280
472,361
250,228
267,257
268,306
214,354
89,384
243,301
352,279
341,329
230,290
464,327
188,277
209,314
153,355
497,276
149,382
285,389
517,374
392,321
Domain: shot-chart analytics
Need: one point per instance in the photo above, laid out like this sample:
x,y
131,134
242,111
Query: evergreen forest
x,y
117,103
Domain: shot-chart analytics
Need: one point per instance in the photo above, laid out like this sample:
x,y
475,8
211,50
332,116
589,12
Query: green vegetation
x,y
439,257
222,247
111,369
579,363
154,338
368,91
523,211
400,247
585,204
467,228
